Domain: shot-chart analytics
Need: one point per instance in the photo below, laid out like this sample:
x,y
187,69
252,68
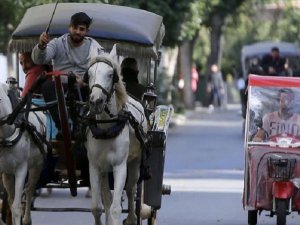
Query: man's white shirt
x,y
274,125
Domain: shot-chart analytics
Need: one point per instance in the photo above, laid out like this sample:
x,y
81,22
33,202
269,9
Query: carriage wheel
x,y
67,136
138,203
252,217
281,209
152,219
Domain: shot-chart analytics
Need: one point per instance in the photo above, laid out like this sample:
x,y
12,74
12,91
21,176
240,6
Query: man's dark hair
x,y
287,91
275,49
129,70
80,18
129,63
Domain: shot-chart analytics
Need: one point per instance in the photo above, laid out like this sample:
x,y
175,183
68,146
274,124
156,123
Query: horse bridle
x,y
115,79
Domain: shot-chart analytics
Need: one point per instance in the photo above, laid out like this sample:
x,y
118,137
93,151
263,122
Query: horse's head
x,y
104,82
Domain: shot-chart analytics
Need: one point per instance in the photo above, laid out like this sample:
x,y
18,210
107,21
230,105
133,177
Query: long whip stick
x,y
48,27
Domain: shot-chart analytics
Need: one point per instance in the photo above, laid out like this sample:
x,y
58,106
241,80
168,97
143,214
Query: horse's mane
x,y
121,94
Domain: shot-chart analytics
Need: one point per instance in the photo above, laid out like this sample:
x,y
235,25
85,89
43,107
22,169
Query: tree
x,y
9,11
250,26
215,22
212,15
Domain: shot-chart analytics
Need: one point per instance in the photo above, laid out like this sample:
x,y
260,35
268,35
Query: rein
x,y
13,139
38,138
111,132
19,117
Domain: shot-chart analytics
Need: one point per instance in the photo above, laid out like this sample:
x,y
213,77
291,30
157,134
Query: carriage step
x,y
64,173
67,209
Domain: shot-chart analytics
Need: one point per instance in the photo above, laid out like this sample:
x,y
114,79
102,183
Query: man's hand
x,y
271,70
259,136
80,81
43,41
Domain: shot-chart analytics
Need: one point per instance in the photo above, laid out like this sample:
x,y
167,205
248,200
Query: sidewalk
x,y
180,119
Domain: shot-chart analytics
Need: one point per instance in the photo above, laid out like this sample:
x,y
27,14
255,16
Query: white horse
x,y
19,159
120,154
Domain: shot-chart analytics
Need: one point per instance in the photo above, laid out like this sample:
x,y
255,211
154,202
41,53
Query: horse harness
x,y
115,78
21,124
121,119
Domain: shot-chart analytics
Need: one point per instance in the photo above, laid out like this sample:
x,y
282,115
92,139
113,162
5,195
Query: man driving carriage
x,y
69,53
280,122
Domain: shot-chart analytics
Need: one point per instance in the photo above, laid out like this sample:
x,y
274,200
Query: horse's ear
x,y
114,57
113,53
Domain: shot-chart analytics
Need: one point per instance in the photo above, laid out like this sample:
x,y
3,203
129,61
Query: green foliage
x,y
192,22
8,20
249,27
173,12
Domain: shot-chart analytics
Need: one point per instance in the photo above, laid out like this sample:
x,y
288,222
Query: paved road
x,y
204,164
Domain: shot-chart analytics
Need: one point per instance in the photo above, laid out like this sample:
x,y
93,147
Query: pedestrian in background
x,y
217,86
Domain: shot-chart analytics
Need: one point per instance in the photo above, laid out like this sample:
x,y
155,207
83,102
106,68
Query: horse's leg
x,y
2,186
131,185
120,173
106,195
16,209
9,185
33,178
96,196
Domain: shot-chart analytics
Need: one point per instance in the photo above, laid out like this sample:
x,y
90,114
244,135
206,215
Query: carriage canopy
x,y
137,32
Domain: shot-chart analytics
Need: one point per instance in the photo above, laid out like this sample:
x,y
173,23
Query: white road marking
x,y
205,185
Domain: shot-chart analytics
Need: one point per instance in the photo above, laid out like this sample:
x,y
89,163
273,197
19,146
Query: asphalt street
x,y
203,164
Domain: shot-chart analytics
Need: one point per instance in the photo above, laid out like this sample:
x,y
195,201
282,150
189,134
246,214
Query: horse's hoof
x,y
88,194
125,222
26,222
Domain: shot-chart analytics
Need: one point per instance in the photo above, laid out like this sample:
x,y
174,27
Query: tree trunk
x,y
216,33
169,65
186,52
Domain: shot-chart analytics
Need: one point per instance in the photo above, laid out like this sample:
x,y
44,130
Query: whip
x,y
48,27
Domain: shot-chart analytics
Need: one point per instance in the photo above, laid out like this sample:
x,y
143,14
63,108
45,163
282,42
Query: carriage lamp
x,y
149,99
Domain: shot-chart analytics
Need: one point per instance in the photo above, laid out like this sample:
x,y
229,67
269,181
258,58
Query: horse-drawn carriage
x,y
120,31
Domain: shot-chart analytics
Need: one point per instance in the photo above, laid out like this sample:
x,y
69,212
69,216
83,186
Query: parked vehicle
x,y
272,144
